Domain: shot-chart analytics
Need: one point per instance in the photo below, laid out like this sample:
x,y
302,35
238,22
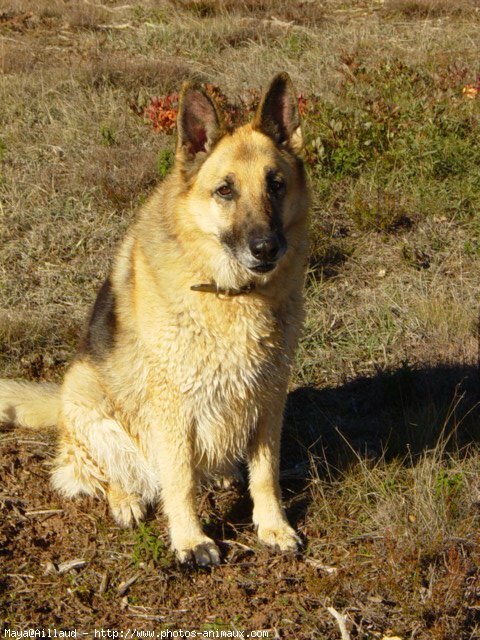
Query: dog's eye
x,y
276,186
224,191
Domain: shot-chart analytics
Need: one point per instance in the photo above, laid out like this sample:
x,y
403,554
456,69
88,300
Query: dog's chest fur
x,y
224,358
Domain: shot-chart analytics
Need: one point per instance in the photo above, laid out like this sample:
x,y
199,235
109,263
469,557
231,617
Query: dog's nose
x,y
265,248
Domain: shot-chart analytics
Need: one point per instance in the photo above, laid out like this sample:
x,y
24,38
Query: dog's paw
x,y
127,508
282,538
204,554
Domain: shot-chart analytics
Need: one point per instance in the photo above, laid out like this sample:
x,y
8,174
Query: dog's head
x,y
245,190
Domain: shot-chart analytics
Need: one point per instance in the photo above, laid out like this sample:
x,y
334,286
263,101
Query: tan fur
x,y
189,382
27,404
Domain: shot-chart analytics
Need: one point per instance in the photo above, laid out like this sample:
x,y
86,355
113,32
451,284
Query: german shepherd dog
x,y
184,367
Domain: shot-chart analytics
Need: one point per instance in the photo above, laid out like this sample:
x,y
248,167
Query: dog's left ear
x,y
198,122
277,115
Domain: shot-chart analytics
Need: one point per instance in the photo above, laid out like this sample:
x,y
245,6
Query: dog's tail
x,y
29,404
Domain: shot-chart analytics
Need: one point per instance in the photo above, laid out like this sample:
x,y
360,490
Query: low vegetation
x,y
381,465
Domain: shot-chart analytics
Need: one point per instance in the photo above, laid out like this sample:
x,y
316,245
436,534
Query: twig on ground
x,y
126,584
322,567
341,621
43,512
125,25
237,544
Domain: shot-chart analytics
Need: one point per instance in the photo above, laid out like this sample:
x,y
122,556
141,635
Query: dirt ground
x,y
124,580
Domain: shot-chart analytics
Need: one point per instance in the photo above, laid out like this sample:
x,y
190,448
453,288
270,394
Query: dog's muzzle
x,y
266,250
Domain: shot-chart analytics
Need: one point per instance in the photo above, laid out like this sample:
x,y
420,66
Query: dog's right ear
x,y
277,115
198,123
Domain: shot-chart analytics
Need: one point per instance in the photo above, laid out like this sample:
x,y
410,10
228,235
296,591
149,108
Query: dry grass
x,y
303,12
391,519
17,58
431,8
134,74
381,473
82,15
76,14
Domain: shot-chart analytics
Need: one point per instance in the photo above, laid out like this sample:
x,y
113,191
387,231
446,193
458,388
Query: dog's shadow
x,y
399,413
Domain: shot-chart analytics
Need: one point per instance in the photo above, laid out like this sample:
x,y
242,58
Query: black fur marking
x,y
273,201
232,238
102,326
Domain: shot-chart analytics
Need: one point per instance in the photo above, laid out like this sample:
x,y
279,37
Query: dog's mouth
x,y
257,265
264,267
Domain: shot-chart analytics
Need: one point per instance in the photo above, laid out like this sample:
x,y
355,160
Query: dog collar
x,y
213,288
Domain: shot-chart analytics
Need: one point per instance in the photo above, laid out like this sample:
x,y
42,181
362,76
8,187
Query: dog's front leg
x,y
178,482
264,462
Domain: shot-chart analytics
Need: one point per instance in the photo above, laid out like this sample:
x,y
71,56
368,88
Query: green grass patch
x,y
149,547
399,143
